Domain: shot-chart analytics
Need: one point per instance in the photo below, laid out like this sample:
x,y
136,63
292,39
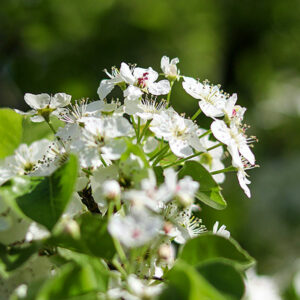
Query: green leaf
x,y
209,191
210,247
159,174
135,149
73,281
186,283
36,131
12,257
10,131
43,199
94,238
224,277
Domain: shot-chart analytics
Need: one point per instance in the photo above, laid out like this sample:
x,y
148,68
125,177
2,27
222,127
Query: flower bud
x,y
166,253
72,228
111,190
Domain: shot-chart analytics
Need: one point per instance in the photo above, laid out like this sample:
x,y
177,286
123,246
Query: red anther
x,y
145,74
234,112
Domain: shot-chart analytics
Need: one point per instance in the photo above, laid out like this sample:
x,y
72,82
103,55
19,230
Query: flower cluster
x,y
136,158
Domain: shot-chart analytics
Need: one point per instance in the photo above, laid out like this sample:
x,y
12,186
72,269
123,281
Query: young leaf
x,y
44,199
10,131
209,191
210,247
224,277
186,283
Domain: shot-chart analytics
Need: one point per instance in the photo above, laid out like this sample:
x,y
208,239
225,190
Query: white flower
x,y
26,160
260,287
212,100
43,105
221,231
98,135
169,67
234,138
146,109
181,133
139,81
142,80
135,229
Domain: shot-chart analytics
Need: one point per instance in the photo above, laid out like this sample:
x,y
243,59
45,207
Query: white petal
x,y
60,100
126,73
247,153
22,113
243,181
211,110
160,88
192,87
221,131
164,63
105,87
151,74
37,101
133,93
180,148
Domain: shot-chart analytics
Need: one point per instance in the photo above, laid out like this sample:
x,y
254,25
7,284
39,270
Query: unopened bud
x,y
72,228
111,190
166,253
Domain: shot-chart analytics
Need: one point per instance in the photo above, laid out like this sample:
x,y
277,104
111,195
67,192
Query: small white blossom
x,y
181,133
25,161
234,138
212,100
135,229
43,105
169,67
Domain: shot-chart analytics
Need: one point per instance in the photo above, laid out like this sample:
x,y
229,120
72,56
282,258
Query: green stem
x,y
183,160
119,267
228,169
159,152
191,156
138,129
54,131
197,113
120,250
144,130
215,146
169,95
205,133
134,125
110,210
102,160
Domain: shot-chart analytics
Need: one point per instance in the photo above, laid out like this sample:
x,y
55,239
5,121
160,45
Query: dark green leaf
x,y
94,238
10,131
184,282
224,277
209,191
210,247
43,199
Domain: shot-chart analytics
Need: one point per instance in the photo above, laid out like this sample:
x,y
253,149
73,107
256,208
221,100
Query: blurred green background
x,y
250,47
